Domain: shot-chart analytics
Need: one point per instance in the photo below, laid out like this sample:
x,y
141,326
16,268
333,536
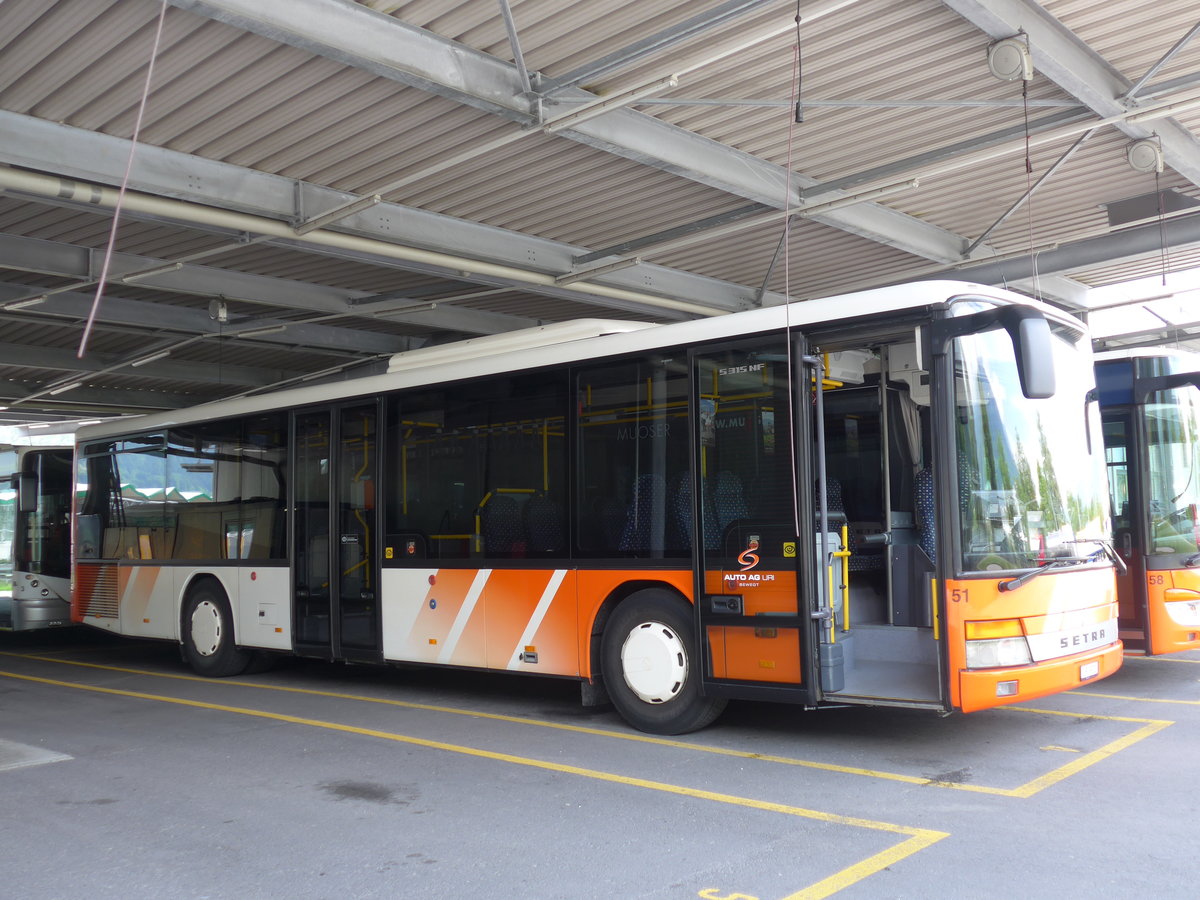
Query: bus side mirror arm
x,y
1092,396
1030,335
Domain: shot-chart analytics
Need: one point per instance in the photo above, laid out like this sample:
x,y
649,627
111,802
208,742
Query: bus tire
x,y
208,639
648,657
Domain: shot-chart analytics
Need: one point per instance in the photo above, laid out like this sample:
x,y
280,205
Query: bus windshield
x,y
1173,470
1030,481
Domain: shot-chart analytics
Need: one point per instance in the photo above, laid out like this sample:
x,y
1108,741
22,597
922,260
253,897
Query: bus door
x,y
757,637
1120,456
876,422
335,535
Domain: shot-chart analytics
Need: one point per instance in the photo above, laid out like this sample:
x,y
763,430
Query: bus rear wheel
x,y
208,642
648,657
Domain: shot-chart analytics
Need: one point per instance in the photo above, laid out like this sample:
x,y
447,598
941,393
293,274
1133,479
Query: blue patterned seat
x,y
731,502
500,525
645,521
923,501
544,525
682,505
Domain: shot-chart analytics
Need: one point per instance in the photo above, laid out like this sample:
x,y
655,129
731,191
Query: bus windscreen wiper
x,y
1056,563
1107,548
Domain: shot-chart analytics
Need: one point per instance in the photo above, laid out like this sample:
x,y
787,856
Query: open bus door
x,y
1125,497
1166,585
335,533
757,589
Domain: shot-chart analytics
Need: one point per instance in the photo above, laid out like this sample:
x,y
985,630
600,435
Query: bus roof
x,y
1187,356
596,339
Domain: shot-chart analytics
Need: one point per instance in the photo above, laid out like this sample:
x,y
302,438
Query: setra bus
x,y
35,515
1150,406
882,498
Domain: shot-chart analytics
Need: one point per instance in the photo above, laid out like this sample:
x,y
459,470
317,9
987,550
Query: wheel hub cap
x,y
654,662
206,628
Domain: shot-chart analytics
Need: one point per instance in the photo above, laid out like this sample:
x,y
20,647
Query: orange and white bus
x,y
1150,405
35,513
880,498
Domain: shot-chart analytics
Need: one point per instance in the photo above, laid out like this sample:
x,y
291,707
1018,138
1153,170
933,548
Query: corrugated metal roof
x,y
889,91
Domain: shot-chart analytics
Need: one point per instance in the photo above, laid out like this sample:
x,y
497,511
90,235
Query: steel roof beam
x,y
69,261
380,44
61,360
1127,243
139,314
95,400
70,152
1080,71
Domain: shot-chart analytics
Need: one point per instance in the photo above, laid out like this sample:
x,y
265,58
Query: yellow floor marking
x,y
1023,791
1150,726
869,866
1136,699
1170,659
918,838
1063,749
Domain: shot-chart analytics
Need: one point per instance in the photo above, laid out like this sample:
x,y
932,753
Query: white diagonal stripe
x,y
535,621
464,614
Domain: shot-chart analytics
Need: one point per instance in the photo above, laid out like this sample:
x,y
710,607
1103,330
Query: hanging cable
x,y
787,269
799,73
1165,259
112,234
1037,290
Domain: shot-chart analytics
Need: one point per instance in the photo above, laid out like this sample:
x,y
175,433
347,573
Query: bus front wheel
x,y
208,643
648,656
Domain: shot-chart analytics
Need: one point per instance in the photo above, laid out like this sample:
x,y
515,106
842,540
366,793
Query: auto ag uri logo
x,y
748,558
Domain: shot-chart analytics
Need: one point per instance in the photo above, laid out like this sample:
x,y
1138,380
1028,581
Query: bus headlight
x,y
999,653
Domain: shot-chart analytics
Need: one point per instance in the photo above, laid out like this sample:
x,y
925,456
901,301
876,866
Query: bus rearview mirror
x,y
27,493
1035,356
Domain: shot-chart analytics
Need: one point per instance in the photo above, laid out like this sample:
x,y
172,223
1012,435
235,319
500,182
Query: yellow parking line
x,y
1135,699
1168,659
1022,791
869,866
917,838
1149,727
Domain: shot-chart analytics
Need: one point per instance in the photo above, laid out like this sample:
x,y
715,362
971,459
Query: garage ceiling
x,y
318,184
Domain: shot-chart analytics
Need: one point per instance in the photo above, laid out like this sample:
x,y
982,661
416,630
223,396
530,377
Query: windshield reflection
x,y
1173,457
1029,489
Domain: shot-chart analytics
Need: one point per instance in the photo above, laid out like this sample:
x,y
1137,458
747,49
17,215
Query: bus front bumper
x,y
986,688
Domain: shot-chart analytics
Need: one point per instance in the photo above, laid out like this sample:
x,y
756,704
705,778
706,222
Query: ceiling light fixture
x,y
259,332
161,354
21,304
150,273
64,388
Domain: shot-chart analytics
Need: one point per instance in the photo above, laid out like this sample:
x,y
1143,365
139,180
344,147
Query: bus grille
x,y
96,591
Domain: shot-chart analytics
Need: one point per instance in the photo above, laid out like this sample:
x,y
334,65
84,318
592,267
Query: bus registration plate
x,y
1089,670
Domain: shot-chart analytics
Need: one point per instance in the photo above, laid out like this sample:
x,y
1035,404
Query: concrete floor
x,y
125,777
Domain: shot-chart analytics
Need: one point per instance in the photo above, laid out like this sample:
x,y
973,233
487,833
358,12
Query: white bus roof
x,y
1187,356
597,338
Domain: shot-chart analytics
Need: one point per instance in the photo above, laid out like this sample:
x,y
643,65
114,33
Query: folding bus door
x,y
335,533
756,632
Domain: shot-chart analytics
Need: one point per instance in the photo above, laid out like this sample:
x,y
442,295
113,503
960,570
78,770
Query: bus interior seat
x,y
645,520
923,501
604,524
544,525
682,505
731,501
500,526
